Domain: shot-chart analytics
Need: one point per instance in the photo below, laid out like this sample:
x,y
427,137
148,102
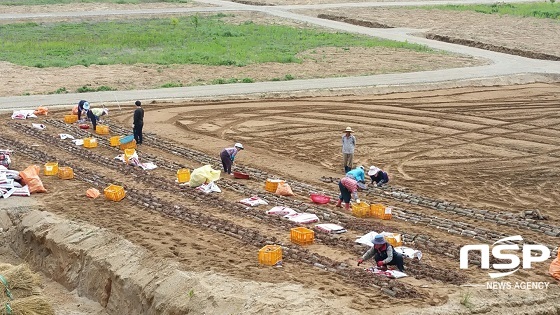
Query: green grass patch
x,y
544,10
172,85
42,2
61,90
85,89
186,40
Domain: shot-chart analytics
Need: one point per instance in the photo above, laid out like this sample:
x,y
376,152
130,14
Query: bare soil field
x,y
476,149
525,34
465,166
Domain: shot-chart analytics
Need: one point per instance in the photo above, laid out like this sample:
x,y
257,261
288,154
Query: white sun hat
x,y
238,145
373,170
348,129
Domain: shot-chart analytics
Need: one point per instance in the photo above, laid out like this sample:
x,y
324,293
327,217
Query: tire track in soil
x,y
206,159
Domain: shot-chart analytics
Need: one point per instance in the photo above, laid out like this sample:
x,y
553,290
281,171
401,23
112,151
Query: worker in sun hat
x,y
378,176
83,105
384,254
228,156
358,174
348,190
348,146
94,114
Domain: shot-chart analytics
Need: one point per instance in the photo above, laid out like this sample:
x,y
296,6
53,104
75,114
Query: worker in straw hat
x,y
94,114
384,254
228,156
348,146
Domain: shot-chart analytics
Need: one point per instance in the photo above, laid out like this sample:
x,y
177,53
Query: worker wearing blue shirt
x,y
358,174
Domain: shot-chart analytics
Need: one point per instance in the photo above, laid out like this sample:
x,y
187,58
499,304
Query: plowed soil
x,y
494,149
476,147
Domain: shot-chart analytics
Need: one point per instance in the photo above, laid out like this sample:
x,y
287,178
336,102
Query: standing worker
x,y
95,113
348,146
228,156
138,123
384,254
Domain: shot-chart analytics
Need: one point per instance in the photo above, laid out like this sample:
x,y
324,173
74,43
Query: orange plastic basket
x,y
65,172
51,168
114,141
387,214
377,210
302,236
114,192
70,119
90,143
394,239
102,129
270,255
183,175
130,145
361,210
128,153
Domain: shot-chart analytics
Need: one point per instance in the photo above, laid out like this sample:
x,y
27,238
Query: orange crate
x,y
128,153
302,236
377,210
70,119
130,145
115,141
102,129
90,143
51,168
361,210
65,172
183,175
387,214
270,255
114,192
272,184
394,239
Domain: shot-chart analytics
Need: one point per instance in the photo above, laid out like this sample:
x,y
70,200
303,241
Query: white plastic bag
x,y
208,188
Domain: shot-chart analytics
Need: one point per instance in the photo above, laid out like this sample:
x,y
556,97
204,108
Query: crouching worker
x,y
228,156
348,190
384,254
358,174
378,176
95,114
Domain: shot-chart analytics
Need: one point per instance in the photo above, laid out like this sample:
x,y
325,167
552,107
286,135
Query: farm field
x,y
467,165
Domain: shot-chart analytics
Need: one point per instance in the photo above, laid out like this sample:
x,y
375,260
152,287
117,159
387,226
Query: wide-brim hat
x,y
86,106
373,170
106,111
348,129
379,240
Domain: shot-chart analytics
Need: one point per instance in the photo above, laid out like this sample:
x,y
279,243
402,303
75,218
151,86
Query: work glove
x,y
360,261
380,263
357,200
